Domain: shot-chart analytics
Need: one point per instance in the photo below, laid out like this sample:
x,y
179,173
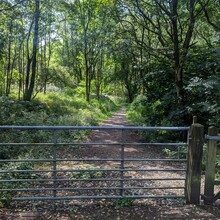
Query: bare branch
x,y
163,8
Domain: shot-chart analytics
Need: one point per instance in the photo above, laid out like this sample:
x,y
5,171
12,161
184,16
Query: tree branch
x,y
189,32
168,13
13,6
207,16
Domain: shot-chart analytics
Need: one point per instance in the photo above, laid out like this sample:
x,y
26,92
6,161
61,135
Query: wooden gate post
x,y
210,163
194,163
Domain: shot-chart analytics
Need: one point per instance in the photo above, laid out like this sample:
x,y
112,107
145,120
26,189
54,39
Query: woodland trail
x,y
104,209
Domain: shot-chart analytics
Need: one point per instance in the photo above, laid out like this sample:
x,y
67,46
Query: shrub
x,y
54,109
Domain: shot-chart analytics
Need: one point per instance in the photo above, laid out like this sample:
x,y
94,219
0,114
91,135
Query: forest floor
x,y
107,209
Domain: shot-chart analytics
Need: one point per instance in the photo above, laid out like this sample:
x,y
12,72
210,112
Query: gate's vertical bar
x,y
187,157
194,163
210,163
122,163
54,163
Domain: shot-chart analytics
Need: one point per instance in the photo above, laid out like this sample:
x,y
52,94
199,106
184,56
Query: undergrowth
x,y
66,108
123,202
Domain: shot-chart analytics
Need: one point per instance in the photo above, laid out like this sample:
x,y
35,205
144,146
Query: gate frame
x,y
212,151
194,160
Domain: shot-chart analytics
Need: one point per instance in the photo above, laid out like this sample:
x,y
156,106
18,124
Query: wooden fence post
x,y
194,163
210,163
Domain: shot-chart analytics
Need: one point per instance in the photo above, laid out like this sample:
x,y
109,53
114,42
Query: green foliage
x,y
143,112
73,211
159,105
203,98
5,199
176,153
18,175
88,174
63,108
123,202
14,173
135,112
13,111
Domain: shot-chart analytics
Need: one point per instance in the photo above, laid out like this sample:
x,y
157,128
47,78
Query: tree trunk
x,y
8,81
176,52
99,75
35,50
87,79
180,55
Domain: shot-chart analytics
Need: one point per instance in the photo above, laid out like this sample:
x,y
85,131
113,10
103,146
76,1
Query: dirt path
x,y
133,152
108,210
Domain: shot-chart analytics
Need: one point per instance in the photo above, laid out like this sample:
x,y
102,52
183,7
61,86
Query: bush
x,y
55,109
141,112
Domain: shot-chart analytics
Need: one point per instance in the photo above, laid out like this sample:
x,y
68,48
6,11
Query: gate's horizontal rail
x,y
92,188
217,182
89,179
94,144
93,128
96,159
98,197
54,183
92,170
214,138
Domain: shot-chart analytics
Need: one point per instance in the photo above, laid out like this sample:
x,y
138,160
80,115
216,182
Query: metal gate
x,y
89,169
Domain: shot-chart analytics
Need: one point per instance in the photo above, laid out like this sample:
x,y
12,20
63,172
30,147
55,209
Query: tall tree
x,y
32,61
172,24
89,30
